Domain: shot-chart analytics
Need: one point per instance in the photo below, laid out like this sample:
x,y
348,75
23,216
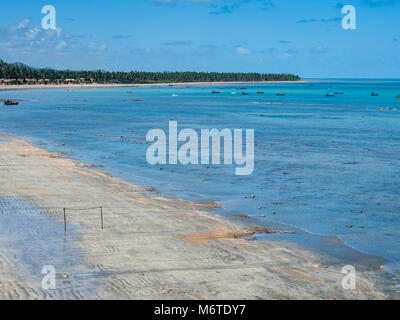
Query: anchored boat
x,y
9,102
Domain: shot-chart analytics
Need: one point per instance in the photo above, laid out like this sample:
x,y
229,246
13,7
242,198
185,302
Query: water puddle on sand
x,y
32,238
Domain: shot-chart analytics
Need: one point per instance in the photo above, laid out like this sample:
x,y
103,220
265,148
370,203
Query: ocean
x,y
328,166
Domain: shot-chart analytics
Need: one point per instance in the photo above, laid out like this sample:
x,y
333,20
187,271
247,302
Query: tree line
x,y
22,72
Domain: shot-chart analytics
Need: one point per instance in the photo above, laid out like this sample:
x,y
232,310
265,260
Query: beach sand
x,y
100,85
151,247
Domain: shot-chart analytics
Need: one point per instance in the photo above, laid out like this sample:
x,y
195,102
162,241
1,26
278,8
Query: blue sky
x,y
301,37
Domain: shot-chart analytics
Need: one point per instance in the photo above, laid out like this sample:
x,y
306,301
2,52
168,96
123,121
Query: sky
x,y
268,36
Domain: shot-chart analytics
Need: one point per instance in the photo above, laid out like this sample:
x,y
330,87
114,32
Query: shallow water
x,y
33,238
341,154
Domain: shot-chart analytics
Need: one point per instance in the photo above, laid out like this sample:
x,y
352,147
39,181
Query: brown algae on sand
x,y
199,238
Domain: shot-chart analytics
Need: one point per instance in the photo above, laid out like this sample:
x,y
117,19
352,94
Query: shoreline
x,y
100,85
180,233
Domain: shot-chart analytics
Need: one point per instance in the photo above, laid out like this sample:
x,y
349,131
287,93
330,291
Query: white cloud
x,y
92,46
319,49
24,41
20,25
285,56
61,45
32,33
242,50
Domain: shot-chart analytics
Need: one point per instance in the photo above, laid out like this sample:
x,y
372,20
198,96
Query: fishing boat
x,y
280,94
9,102
214,91
329,95
260,92
373,94
398,96
338,92
245,93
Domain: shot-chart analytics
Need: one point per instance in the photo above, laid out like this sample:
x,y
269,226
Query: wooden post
x,y
65,222
101,213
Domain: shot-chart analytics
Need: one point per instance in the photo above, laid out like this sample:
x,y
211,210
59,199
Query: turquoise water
x,y
341,154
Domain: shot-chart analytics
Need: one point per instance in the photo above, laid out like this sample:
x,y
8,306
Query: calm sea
x,y
340,155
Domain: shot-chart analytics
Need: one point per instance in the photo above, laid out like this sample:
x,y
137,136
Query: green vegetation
x,y
20,73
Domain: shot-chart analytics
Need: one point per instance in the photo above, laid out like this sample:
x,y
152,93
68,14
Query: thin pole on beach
x,y
65,221
101,214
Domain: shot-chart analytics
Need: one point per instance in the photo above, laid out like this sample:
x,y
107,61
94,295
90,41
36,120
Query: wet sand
x,y
109,85
151,247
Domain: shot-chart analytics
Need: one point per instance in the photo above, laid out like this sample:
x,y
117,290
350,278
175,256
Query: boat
x,y
241,88
280,94
398,96
214,91
373,94
245,93
260,92
329,95
339,93
9,102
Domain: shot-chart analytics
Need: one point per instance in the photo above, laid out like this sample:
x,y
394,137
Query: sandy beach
x,y
151,247
100,85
